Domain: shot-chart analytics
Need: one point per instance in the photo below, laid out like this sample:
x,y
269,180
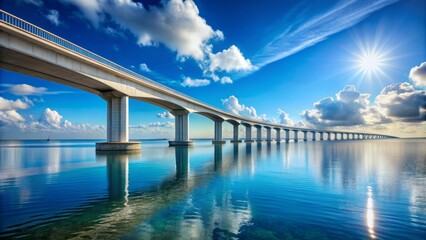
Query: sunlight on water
x,y
307,190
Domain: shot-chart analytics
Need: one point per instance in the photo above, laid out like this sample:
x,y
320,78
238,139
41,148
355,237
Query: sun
x,y
370,63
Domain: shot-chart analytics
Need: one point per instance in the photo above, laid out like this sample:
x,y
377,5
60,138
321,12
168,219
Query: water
x,y
356,189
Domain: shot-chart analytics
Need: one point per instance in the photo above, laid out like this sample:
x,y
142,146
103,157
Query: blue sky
x,y
355,65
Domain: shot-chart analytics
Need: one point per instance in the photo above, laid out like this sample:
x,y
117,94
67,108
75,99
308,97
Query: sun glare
x,y
372,57
370,63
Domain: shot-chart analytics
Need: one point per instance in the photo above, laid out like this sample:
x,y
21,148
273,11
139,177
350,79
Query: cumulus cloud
x,y
6,104
176,23
418,75
165,115
53,16
284,118
189,82
229,60
398,102
348,108
144,68
49,121
232,105
401,102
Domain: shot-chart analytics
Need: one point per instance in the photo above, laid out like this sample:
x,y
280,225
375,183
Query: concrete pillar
x,y
248,134
218,139
329,136
305,136
268,134
235,138
296,137
118,119
335,136
181,129
321,136
278,135
117,125
314,137
259,133
287,135
341,136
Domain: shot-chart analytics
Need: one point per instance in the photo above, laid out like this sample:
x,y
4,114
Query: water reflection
x,y
370,213
227,191
182,162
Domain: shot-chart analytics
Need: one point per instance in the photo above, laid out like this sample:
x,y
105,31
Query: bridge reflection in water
x,y
225,191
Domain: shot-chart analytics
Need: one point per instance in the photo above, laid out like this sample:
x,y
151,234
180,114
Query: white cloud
x,y
90,8
401,102
50,118
154,125
398,102
165,115
25,89
188,82
53,16
6,104
144,68
284,118
161,125
309,29
349,108
229,60
418,75
226,80
175,23
10,117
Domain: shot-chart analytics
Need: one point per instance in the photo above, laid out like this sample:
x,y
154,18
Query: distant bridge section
x,y
28,49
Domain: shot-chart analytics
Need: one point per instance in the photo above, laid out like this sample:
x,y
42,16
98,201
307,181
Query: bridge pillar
x,y
314,137
117,125
218,139
287,135
296,137
248,134
259,133
305,136
321,136
277,135
341,136
329,136
181,129
268,134
235,135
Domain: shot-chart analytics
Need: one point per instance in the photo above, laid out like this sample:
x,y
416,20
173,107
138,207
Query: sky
x,y
345,65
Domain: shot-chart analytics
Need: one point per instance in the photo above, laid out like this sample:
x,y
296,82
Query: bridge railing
x,y
39,32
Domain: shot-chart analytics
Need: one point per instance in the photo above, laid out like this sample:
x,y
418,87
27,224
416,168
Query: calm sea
x,y
353,189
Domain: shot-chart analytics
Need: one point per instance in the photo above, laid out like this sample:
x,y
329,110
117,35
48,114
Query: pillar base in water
x,y
181,143
248,141
236,141
259,140
118,146
218,141
269,140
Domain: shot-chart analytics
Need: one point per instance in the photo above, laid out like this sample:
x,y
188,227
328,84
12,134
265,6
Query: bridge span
x,y
28,49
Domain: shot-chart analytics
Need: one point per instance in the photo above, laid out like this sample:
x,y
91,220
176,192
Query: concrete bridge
x,y
28,49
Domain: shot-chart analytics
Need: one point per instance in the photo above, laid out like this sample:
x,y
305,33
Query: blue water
x,y
354,189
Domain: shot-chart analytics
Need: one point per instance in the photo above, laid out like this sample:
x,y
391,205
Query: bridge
x,y
28,49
